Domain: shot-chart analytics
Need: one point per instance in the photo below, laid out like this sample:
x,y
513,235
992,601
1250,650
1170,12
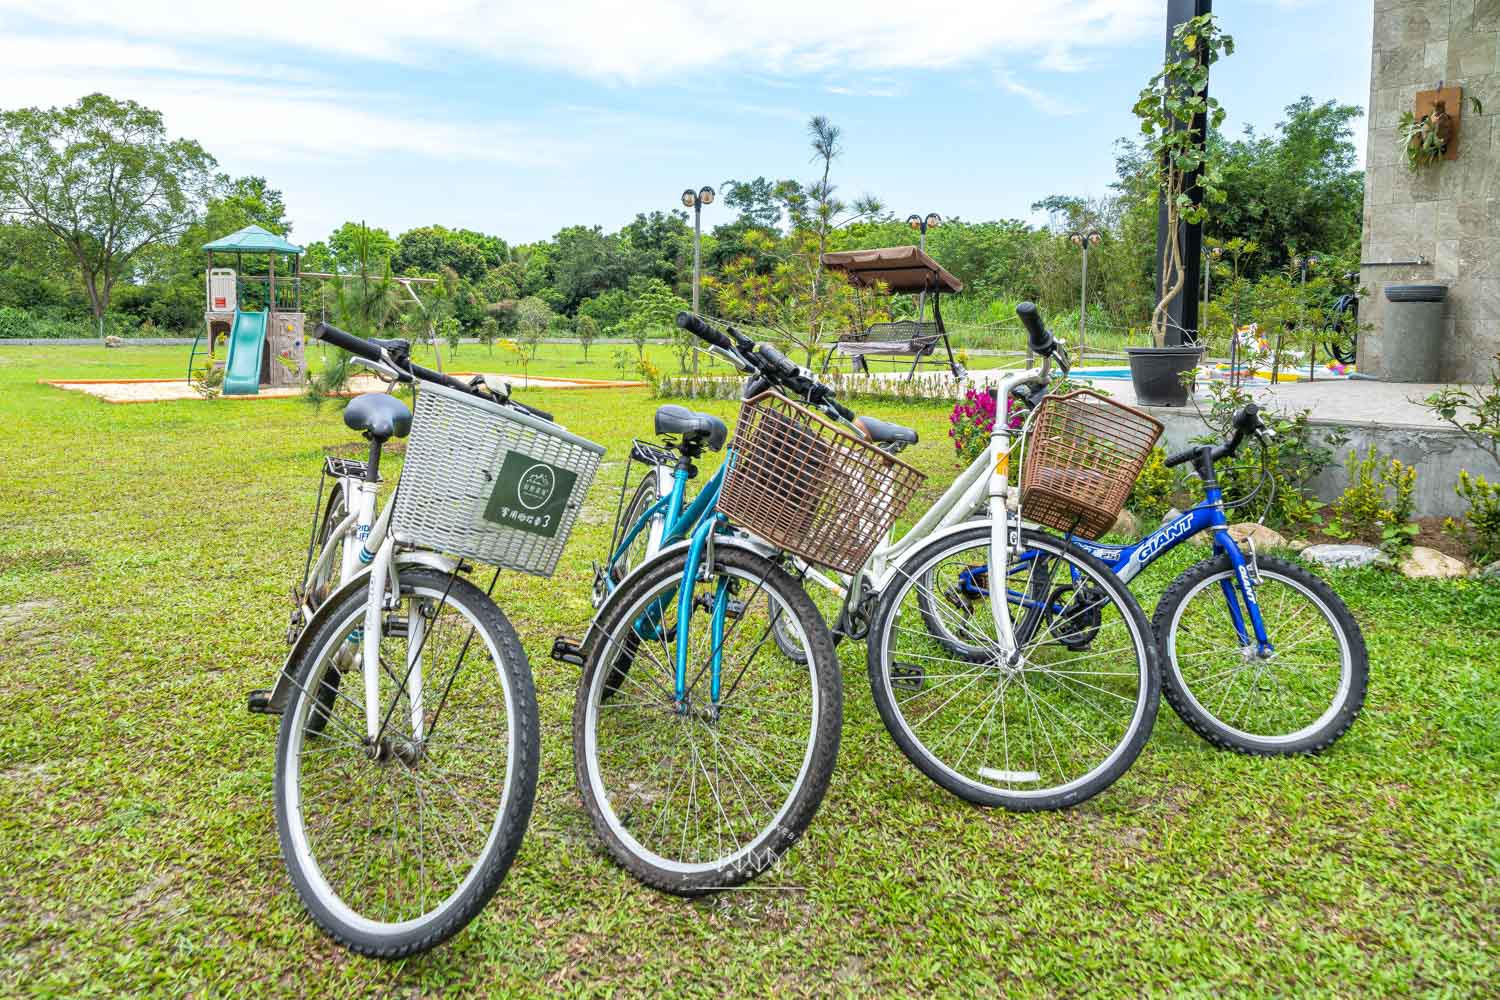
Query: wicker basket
x,y
490,483
1082,456
806,485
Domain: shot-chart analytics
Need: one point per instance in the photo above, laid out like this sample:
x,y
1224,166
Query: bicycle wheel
x,y
325,580
395,846
700,796
1051,728
1301,698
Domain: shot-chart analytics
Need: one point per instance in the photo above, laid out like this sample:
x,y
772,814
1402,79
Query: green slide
x,y
242,370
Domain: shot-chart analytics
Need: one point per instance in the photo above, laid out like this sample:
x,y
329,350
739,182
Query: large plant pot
x,y
1156,373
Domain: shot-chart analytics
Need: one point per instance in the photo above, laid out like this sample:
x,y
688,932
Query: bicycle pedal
x,y
565,650
259,702
908,676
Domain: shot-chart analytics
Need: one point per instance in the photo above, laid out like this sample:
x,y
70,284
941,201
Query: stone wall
x,y
1447,214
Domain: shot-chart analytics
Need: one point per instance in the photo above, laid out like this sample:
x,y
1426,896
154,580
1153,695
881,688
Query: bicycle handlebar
x,y
360,347
1246,420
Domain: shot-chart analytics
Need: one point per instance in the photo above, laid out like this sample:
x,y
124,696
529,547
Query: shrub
x,y
1296,454
1157,489
1480,527
1377,504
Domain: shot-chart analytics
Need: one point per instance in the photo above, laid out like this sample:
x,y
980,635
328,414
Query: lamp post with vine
x,y
1083,240
921,224
696,200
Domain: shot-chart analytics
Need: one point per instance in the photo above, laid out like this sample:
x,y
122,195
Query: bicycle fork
x,y
699,548
1242,588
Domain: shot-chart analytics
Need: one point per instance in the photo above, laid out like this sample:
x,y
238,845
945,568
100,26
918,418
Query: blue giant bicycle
x,y
1259,655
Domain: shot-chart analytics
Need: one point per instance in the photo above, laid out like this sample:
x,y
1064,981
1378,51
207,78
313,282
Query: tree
x,y
355,248
654,310
533,317
758,202
585,262
822,208
1170,108
429,249
588,332
102,177
235,202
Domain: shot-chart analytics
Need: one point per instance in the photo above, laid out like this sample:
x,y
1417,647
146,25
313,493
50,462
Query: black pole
x,y
1182,314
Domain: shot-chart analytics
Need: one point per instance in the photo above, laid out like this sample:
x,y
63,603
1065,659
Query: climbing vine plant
x,y
1168,107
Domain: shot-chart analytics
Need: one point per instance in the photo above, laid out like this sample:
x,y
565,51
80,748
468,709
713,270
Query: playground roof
x,y
904,269
253,239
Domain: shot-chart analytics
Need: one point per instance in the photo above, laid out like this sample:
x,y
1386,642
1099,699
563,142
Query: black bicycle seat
x,y
378,415
698,428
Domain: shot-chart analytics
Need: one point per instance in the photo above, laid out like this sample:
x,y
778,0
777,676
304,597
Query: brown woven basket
x,y
806,485
1082,456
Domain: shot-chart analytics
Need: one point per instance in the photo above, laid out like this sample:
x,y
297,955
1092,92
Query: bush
x,y
971,423
1480,527
53,325
1377,505
1157,489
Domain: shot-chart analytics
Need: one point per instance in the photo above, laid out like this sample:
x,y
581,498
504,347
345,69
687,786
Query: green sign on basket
x,y
530,496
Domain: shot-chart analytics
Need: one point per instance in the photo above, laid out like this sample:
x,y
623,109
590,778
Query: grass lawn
x,y
146,556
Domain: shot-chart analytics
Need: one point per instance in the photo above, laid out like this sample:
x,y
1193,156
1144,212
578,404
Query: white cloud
x,y
1045,103
640,41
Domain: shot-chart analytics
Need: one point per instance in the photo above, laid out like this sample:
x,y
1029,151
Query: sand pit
x,y
158,390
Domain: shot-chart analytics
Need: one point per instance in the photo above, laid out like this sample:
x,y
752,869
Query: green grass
x,y
145,561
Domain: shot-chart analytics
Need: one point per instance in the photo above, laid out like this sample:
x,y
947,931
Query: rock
x,y
1125,525
1171,515
1298,544
1430,564
113,341
1262,536
1345,556
1490,572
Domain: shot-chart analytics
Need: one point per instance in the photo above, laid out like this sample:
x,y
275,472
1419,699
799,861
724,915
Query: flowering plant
x,y
972,421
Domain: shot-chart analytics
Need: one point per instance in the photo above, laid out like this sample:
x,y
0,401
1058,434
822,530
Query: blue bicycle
x,y
1260,655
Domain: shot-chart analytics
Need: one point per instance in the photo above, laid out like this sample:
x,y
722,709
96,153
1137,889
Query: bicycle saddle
x,y
379,416
881,432
702,428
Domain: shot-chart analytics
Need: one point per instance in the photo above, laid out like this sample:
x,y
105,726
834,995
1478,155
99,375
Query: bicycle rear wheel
x,y
1056,726
703,794
394,846
1301,698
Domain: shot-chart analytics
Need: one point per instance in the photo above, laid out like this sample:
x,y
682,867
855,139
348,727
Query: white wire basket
x,y
490,483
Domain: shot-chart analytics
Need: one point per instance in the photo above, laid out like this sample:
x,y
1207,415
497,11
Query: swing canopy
x,y
903,269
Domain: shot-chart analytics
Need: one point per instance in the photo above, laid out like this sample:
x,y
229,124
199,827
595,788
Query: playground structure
x,y
258,317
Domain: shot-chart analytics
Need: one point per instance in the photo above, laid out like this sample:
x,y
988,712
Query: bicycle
x,y
1005,658
1216,621
407,754
1341,332
702,747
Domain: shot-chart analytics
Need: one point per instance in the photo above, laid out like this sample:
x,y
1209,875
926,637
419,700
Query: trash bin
x,y
1413,335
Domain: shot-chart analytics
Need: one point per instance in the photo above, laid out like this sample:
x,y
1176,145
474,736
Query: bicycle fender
x,y
283,687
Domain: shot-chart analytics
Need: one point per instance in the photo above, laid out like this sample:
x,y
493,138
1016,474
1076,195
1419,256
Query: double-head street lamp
x,y
1083,239
696,200
921,225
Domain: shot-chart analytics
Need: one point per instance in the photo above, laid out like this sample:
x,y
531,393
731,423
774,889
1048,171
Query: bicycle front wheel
x,y
1298,699
1048,728
700,793
394,845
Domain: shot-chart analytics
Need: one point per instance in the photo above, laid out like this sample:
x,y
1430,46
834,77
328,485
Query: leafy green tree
x,y
655,310
429,249
585,261
355,248
103,178
588,332
659,245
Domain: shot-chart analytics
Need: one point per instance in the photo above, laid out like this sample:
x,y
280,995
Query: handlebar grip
x,y
1186,455
842,410
702,330
346,341
1036,332
1248,418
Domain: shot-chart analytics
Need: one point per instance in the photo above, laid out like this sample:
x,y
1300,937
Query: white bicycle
x,y
1036,695
407,759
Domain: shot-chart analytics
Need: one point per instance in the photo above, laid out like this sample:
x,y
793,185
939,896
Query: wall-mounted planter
x,y
1430,131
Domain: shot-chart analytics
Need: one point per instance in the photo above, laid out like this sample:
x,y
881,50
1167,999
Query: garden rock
x,y
113,341
1258,534
1425,563
1490,572
1125,524
1345,556
1298,544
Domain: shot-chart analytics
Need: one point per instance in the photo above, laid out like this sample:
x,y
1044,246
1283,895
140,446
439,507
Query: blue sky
x,y
518,119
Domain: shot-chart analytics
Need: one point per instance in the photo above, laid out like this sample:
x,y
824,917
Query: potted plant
x,y
1176,116
1425,138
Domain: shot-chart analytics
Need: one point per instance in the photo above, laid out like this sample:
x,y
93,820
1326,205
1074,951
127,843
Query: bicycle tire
x,y
1313,738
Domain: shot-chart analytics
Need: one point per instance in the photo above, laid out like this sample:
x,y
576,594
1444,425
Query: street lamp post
x,y
1083,240
696,200
921,224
